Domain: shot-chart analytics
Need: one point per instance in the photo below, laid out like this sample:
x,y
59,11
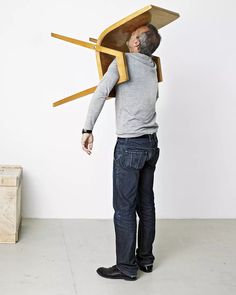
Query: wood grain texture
x,y
10,203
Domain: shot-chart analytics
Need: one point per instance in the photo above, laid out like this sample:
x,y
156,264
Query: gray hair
x,y
149,41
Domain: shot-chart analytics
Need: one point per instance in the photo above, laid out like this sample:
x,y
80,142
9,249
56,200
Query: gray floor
x,y
60,257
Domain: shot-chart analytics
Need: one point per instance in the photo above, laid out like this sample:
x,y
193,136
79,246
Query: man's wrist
x,y
86,131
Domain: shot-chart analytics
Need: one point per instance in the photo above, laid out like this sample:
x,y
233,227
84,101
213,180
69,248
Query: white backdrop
x,y
196,111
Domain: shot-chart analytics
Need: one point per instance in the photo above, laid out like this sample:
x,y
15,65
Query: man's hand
x,y
87,142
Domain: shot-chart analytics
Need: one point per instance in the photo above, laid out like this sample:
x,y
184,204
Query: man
x,y
135,154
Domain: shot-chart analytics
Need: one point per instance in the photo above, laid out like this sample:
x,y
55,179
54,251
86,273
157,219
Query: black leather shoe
x,y
114,273
147,268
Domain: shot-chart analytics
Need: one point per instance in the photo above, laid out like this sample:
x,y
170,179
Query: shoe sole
x,y
124,278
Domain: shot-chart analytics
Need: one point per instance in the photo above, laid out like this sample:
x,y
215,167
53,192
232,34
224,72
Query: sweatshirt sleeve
x,y
102,91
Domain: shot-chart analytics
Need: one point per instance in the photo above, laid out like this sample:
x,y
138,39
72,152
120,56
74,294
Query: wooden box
x,y
10,202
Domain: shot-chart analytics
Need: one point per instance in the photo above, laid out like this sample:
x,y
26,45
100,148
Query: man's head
x,y
144,40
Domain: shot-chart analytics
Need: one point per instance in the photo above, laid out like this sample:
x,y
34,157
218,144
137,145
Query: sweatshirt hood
x,y
145,59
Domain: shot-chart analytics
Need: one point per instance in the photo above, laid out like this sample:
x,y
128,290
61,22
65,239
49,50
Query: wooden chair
x,y
112,44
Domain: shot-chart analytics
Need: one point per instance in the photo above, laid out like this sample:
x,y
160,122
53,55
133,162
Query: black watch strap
x,y
86,131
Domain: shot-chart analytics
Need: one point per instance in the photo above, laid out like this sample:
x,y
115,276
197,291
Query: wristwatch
x,y
86,131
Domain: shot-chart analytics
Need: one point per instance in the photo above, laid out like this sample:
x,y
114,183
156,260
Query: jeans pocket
x,y
118,152
133,158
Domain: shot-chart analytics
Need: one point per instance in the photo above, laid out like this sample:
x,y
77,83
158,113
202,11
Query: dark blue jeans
x,y
133,174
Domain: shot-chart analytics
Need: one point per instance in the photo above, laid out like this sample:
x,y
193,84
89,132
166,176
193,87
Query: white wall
x,y
195,176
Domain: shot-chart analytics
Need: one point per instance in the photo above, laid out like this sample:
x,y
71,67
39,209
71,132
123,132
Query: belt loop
x,y
126,140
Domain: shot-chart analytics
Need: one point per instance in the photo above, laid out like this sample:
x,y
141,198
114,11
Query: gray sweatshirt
x,y
135,101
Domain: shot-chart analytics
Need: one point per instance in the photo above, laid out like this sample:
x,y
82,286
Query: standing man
x,y
135,154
